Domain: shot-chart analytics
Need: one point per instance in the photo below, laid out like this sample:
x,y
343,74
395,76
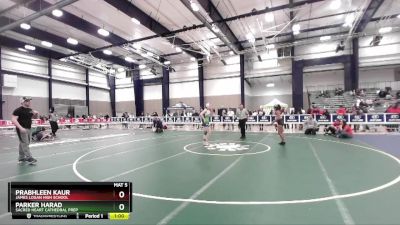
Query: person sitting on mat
x,y
344,130
310,126
40,134
331,130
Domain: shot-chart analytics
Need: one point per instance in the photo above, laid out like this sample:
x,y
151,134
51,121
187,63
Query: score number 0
x,y
121,206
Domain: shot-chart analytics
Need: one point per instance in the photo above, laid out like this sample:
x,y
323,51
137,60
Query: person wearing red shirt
x,y
341,110
331,130
314,110
394,109
344,130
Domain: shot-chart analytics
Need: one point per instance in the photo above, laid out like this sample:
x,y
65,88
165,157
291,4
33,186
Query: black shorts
x,y
280,122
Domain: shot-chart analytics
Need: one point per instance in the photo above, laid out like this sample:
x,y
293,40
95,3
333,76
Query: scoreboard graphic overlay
x,y
70,200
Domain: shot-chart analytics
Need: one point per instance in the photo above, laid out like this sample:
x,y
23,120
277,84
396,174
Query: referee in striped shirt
x,y
242,114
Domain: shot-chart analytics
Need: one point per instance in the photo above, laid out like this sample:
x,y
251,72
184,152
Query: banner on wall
x,y
340,117
392,118
323,119
291,118
357,118
252,119
216,119
227,119
264,119
304,117
375,118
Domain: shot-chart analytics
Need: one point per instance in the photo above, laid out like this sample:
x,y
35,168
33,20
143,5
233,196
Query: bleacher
x,y
332,102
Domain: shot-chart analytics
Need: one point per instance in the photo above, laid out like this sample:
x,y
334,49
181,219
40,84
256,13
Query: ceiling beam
x,y
62,41
197,26
321,28
37,14
132,11
14,44
215,15
16,5
368,14
221,35
302,31
267,10
77,22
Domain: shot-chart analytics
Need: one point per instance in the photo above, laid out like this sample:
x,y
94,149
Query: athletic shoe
x,y
20,161
31,160
282,143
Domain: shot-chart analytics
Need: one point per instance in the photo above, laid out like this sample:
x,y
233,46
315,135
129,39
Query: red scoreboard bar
x,y
70,200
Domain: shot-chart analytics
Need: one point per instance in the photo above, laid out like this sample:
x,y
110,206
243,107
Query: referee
x,y
242,114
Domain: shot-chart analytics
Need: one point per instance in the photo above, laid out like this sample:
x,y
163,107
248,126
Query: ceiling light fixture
x,y
22,50
107,52
47,44
167,62
30,47
178,49
215,28
142,66
296,27
335,4
192,59
57,13
270,85
103,32
269,17
25,26
72,41
194,6
250,37
136,46
231,53
129,59
135,20
348,21
385,30
325,38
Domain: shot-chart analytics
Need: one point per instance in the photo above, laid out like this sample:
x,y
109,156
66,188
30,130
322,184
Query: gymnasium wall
x,y
186,92
152,99
69,83
124,96
36,87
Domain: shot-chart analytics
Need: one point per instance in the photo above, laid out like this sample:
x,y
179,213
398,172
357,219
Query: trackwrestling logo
x,y
227,147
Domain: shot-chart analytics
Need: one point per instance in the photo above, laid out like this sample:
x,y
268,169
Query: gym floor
x,y
176,180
